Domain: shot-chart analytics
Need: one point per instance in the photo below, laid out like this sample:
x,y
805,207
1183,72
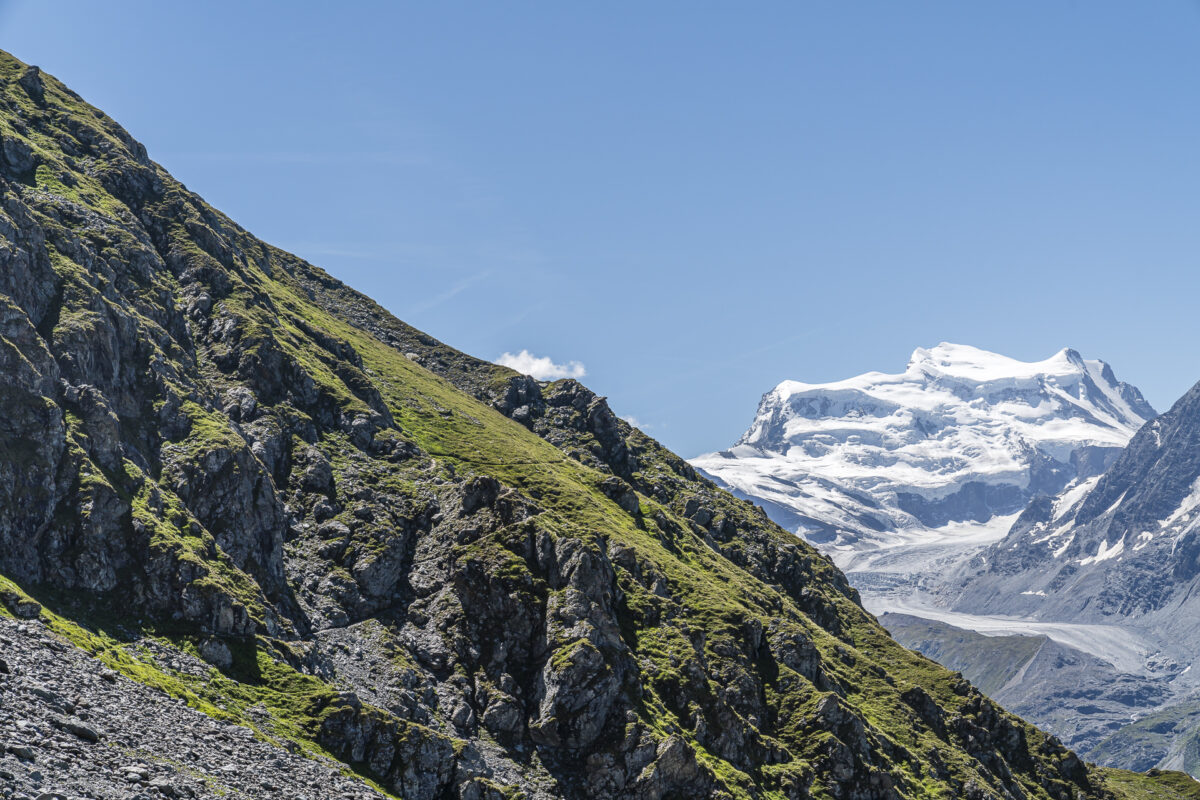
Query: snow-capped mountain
x,y
954,446
1118,551
1122,544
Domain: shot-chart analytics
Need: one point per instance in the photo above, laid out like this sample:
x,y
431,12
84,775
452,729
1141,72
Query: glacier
x,y
900,475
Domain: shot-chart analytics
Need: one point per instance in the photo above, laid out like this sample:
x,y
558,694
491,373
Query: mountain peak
x,y
973,363
963,435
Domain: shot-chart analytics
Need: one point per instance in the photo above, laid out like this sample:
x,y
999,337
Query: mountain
x,y
1120,550
1081,696
258,537
1124,544
942,455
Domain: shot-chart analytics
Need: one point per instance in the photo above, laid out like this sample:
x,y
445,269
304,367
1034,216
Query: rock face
x,y
238,483
961,436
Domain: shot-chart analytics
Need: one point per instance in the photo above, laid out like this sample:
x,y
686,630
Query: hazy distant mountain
x,y
1080,696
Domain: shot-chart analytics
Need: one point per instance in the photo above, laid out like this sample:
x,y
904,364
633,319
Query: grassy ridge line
x,y
717,595
1153,785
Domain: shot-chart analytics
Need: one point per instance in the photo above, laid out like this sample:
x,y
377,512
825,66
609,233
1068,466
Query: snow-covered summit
x,y
961,435
971,363
958,361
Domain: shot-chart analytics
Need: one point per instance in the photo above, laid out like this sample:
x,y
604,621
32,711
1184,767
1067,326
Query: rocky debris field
x,y
70,728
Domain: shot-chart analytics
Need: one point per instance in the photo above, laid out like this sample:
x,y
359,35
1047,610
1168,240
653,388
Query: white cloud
x,y
541,367
635,422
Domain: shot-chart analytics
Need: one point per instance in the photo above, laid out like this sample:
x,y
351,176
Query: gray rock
x,y
216,652
150,731
88,734
21,607
31,81
23,752
18,155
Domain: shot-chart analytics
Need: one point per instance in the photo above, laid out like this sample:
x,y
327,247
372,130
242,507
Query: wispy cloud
x,y
637,423
541,367
334,251
456,289
377,158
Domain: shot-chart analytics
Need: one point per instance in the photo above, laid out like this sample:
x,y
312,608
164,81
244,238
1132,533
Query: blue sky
x,y
691,200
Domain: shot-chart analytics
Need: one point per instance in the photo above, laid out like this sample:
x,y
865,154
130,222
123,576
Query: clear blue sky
x,y
694,200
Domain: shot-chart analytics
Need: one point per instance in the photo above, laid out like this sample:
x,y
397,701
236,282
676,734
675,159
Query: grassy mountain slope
x,y
460,582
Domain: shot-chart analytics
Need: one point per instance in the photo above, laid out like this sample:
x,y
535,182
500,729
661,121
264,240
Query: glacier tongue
x,y
936,457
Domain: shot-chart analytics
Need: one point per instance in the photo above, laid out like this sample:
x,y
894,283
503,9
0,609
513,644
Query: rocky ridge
x,y
1123,545
239,484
